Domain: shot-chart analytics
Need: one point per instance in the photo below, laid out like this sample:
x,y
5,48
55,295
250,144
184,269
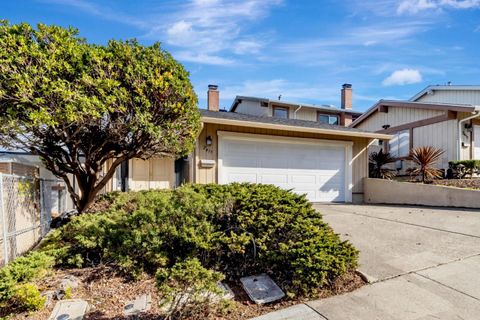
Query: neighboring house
x,y
450,126
449,94
290,110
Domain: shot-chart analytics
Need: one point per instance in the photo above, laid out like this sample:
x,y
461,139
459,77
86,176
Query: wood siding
x,y
396,117
453,96
155,173
210,175
441,135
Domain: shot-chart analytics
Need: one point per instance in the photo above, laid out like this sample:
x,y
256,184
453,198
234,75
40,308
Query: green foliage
x,y
188,290
465,167
28,297
240,229
19,272
82,105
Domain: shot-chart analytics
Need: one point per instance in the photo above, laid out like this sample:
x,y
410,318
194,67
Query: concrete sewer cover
x,y
262,289
139,305
72,309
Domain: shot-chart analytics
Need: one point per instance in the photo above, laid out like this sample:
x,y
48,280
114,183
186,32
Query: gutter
x,y
476,114
295,112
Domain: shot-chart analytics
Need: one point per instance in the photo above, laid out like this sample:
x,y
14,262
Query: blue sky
x,y
302,49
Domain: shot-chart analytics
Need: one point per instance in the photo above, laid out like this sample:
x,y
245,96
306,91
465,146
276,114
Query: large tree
x,y
77,105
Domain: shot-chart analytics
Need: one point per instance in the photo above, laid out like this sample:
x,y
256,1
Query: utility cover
x,y
72,309
139,305
262,289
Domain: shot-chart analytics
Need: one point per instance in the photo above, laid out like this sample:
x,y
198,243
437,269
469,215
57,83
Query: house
x,y
252,143
449,94
325,161
447,122
290,110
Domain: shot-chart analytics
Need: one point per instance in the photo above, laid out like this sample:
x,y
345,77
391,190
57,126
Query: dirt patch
x,y
107,293
473,183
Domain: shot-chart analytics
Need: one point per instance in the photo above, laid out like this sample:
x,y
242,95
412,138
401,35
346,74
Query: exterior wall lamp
x,y
209,141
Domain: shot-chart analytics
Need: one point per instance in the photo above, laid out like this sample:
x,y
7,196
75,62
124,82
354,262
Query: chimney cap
x,y
212,87
346,86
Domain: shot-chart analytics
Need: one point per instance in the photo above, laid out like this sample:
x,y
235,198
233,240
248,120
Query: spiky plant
x,y
378,161
425,158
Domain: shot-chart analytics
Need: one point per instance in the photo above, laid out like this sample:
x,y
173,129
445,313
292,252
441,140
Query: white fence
x,y
26,208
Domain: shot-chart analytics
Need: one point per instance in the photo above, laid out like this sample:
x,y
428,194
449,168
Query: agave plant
x,y
425,158
378,161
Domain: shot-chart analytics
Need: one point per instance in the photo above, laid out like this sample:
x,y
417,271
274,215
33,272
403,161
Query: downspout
x,y
476,114
295,112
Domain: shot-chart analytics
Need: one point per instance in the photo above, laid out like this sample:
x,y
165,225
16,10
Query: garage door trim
x,y
222,135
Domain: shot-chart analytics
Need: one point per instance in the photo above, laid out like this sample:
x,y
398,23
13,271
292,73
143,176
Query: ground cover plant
x,y
212,231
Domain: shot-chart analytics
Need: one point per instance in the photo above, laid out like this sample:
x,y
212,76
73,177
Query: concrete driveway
x,y
423,263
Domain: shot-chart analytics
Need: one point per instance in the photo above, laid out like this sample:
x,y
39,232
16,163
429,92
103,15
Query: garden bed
x,y
181,243
473,183
107,293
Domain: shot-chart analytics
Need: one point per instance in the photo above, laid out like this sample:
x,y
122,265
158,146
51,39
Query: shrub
x,y
28,297
188,290
241,229
23,270
463,168
425,158
377,162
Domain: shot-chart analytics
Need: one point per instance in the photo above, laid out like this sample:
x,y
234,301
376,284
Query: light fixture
x,y
209,141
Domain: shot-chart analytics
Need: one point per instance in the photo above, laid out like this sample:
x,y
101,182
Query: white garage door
x,y
313,167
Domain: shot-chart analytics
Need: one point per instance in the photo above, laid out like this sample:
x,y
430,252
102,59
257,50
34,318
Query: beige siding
x,y
209,175
309,114
396,117
155,173
453,96
441,135
253,108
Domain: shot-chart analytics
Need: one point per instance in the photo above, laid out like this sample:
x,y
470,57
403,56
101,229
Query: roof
x,y
233,118
415,105
238,99
444,88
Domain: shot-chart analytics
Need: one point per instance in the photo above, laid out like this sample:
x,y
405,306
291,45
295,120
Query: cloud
x,y
403,77
416,6
202,58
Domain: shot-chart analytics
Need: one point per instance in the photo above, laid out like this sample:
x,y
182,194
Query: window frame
x,y
319,114
287,109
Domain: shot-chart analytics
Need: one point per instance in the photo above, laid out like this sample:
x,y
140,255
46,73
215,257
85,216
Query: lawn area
x,y
182,243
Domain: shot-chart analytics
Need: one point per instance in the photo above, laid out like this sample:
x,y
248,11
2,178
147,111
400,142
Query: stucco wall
x,y
209,175
393,192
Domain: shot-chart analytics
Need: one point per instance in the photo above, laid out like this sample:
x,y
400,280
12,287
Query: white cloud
x,y
416,6
403,77
203,58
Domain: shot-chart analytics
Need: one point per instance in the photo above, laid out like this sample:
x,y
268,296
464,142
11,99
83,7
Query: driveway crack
x,y
447,286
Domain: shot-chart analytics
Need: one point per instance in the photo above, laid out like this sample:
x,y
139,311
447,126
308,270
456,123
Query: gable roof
x,y
233,118
331,108
444,88
414,105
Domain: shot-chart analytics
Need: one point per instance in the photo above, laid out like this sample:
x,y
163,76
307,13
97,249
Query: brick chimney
x,y
346,96
213,98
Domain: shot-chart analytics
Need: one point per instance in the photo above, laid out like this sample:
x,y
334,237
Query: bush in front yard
x,y
237,229
463,168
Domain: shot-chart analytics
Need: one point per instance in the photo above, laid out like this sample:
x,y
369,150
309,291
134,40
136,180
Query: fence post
x,y
4,222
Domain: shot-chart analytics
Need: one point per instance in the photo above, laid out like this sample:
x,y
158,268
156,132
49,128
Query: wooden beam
x,y
416,124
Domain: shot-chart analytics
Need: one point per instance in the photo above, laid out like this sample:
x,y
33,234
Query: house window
x,y
399,145
328,119
280,112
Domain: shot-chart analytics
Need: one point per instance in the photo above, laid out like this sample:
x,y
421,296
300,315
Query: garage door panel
x,y
316,170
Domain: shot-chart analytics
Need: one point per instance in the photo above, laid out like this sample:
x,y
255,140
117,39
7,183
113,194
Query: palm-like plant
x,y
378,161
425,158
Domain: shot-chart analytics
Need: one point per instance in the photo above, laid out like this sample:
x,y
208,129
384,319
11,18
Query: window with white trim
x,y
328,118
399,145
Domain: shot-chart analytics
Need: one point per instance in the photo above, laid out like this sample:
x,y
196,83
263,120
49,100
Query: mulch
x,y
107,293
473,183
